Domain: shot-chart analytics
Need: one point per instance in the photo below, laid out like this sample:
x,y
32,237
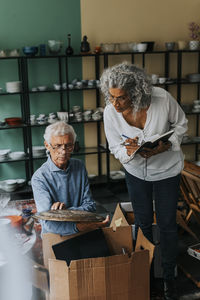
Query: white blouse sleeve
x,y
111,128
177,121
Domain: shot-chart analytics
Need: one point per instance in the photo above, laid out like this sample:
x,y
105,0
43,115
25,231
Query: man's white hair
x,y
57,129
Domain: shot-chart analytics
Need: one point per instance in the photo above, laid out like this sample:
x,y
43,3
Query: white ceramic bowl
x,y
132,46
4,151
42,88
54,46
123,47
108,47
17,155
141,47
161,80
21,182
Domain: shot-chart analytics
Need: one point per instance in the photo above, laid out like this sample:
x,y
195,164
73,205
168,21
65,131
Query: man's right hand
x,y
92,226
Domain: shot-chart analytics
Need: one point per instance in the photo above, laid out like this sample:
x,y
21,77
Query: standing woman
x,y
137,110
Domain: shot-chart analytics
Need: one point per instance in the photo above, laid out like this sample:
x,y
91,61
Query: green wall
x,y
31,23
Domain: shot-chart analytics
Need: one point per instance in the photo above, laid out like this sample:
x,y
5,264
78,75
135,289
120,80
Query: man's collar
x,y
54,168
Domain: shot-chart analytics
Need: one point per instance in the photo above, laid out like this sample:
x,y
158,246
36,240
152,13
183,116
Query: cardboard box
x,y
117,277
124,216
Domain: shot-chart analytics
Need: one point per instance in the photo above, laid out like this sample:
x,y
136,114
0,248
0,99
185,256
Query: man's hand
x,y
162,147
92,226
58,205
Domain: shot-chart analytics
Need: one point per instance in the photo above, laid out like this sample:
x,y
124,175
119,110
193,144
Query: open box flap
x,y
143,243
118,218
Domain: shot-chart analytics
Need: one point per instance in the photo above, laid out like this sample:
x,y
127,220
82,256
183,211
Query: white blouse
x,y
164,114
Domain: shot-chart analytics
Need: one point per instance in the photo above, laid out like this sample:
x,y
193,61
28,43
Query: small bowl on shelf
x,y
13,121
54,46
141,47
108,47
30,51
16,155
42,88
150,45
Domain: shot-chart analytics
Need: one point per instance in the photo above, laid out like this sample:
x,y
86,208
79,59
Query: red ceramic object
x,y
13,121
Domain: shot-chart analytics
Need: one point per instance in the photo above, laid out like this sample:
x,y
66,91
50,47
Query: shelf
x,y
6,94
9,160
62,55
103,179
20,190
12,127
82,151
191,141
48,90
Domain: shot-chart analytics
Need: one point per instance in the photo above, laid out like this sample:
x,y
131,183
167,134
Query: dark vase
x,y
69,50
85,46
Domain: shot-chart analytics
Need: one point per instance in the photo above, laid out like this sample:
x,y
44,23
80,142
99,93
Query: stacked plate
x,y
9,185
4,154
13,86
39,151
17,155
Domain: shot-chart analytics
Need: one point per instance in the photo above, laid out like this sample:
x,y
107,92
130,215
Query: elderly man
x,y
62,182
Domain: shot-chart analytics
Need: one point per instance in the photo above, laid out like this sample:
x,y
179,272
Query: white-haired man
x,y
62,182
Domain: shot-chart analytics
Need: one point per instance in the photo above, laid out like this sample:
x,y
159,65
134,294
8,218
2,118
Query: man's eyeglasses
x,y
60,147
121,99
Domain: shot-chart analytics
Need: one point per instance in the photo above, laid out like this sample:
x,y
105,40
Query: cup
x,y
42,49
154,78
161,80
76,108
63,116
141,47
182,45
170,46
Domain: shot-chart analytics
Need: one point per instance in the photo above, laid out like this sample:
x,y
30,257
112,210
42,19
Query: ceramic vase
x,y
182,45
193,45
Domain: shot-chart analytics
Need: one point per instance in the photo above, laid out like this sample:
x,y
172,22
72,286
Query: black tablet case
x,y
90,244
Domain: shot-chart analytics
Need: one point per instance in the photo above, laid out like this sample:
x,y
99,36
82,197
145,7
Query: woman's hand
x,y
58,205
162,147
131,145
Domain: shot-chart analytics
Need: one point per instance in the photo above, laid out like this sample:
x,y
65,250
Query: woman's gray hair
x,y
131,79
58,128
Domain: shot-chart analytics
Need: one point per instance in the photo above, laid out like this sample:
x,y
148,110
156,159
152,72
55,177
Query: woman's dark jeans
x,y
165,194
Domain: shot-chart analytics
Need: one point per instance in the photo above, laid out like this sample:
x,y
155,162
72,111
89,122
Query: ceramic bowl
x,y
141,47
17,155
21,182
30,51
14,52
150,45
42,88
57,86
123,47
161,80
108,47
13,121
170,46
55,46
